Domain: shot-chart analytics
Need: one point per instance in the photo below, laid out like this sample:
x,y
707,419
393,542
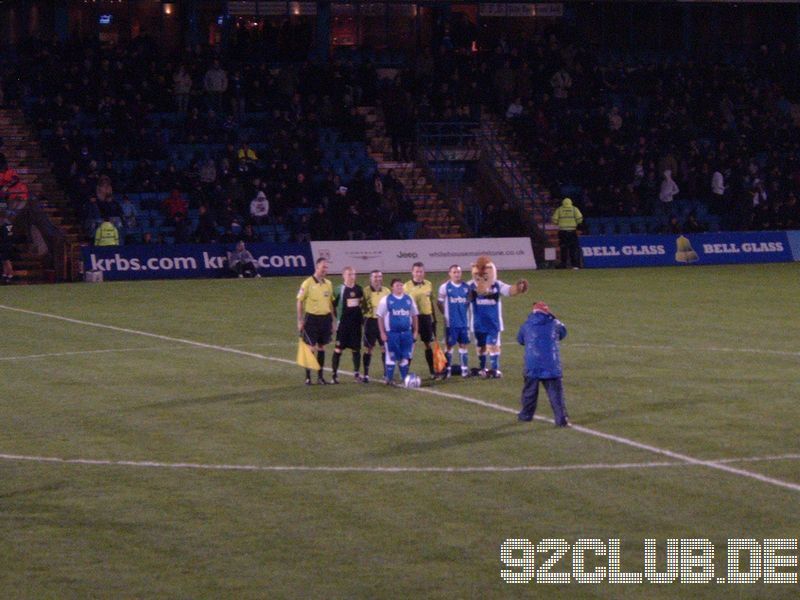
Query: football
x,y
412,380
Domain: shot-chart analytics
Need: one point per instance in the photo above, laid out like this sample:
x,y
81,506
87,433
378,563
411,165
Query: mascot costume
x,y
487,312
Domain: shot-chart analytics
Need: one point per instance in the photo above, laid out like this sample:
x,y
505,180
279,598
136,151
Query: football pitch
x,y
157,441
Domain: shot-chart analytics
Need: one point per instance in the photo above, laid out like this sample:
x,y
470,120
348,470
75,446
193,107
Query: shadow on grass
x,y
251,396
471,437
286,393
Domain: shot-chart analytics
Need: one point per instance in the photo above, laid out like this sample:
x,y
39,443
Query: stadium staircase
x,y
436,217
24,154
516,173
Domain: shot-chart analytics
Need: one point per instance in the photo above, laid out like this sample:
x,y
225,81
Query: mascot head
x,y
484,273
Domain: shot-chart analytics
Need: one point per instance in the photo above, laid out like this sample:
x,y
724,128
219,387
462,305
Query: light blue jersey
x,y
456,305
397,312
487,310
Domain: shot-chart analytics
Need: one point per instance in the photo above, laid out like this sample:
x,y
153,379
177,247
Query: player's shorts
x,y
349,336
456,335
372,334
487,338
318,329
426,333
400,345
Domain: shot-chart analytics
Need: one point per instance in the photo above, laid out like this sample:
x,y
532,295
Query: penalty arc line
x,y
685,458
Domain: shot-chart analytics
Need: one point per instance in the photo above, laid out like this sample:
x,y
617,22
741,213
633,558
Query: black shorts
x,y
6,253
348,335
372,334
426,329
318,329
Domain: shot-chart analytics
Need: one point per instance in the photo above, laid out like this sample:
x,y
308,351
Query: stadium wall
x,y
118,263
724,248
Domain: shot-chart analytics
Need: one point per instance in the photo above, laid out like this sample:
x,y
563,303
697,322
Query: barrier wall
x,y
723,248
118,263
193,260
397,256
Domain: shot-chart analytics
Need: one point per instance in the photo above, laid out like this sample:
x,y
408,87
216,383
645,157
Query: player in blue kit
x,y
454,303
487,322
398,322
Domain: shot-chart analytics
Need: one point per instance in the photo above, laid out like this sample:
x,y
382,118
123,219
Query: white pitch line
x,y
79,352
376,469
335,469
586,430
667,348
758,458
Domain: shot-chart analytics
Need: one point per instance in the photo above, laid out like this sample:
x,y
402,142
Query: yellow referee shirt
x,y
316,296
422,294
371,300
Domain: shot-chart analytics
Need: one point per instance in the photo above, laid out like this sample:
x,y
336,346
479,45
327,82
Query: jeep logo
x,y
407,255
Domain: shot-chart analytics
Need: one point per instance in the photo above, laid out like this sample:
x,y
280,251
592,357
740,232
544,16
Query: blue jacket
x,y
540,335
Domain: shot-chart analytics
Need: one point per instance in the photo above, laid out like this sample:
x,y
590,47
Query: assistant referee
x,y
421,291
315,314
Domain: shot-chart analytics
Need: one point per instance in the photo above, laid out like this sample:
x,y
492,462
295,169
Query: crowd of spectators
x,y
226,146
632,135
622,136
659,136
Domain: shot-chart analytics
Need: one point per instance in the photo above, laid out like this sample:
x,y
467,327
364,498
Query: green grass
x,y
699,361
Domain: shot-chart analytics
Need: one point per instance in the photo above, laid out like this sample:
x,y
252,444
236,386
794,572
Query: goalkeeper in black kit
x,y
348,302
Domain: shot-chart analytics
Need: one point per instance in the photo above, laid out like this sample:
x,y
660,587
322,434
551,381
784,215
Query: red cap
x,y
541,307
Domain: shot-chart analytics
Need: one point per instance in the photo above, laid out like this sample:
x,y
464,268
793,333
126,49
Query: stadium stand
x,y
547,115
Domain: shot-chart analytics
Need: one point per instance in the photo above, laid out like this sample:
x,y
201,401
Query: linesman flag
x,y
439,359
305,356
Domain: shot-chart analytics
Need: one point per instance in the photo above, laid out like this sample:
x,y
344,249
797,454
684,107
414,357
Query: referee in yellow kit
x,y
421,291
315,314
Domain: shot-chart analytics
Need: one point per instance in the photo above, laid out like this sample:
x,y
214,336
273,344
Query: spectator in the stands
x,y
13,191
319,225
515,109
259,208
112,209
226,213
183,230
206,231
174,204
791,212
692,225
215,83
673,226
208,173
237,90
91,215
246,157
130,213
669,189
181,89
249,234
